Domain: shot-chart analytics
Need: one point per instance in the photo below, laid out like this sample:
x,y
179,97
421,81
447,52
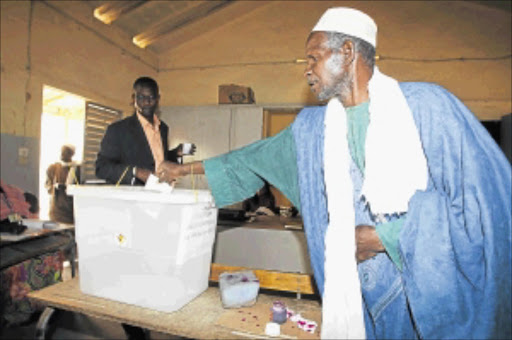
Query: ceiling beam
x,y
81,13
205,24
111,11
196,11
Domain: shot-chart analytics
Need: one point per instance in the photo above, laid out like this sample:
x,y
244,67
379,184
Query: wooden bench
x,y
281,281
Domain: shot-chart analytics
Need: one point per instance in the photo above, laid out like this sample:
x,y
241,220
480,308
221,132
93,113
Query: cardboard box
x,y
235,94
143,247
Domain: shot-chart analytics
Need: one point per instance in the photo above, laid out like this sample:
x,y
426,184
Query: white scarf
x,y
395,169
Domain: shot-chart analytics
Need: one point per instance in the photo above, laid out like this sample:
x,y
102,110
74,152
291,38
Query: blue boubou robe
x,y
455,243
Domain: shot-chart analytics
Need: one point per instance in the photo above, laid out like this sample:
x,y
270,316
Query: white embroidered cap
x,y
348,21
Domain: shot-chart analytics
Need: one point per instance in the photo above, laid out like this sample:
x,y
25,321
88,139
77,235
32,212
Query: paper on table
x,y
39,224
251,322
153,184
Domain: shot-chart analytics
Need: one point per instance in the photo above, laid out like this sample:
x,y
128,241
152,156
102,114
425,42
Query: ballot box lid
x,y
140,193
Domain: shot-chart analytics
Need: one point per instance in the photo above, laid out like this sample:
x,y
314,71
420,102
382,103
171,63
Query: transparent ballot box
x,y
144,247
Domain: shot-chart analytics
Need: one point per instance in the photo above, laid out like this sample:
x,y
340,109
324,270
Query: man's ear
x,y
348,51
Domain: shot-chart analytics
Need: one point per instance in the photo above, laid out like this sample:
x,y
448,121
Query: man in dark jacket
x,y
133,147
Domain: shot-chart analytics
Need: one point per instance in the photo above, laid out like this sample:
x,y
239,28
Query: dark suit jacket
x,y
124,146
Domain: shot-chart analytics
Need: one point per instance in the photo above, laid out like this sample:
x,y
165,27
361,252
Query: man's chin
x,y
147,114
322,97
316,94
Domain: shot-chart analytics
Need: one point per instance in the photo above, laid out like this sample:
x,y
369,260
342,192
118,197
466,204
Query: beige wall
x,y
68,55
64,54
407,29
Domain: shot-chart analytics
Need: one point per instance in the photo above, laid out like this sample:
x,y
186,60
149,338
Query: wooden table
x,y
35,232
35,241
197,320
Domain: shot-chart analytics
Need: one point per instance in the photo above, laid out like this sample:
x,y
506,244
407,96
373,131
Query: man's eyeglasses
x,y
141,97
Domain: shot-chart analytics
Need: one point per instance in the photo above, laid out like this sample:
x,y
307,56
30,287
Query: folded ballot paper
x,y
154,184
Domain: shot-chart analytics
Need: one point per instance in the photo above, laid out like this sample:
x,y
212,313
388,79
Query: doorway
x,y
62,122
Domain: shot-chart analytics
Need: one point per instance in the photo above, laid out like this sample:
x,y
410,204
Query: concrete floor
x,y
67,326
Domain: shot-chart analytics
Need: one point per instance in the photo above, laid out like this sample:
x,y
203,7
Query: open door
x,y
62,122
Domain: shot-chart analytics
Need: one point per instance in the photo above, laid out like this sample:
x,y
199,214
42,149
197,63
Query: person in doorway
x,y
58,176
404,195
133,147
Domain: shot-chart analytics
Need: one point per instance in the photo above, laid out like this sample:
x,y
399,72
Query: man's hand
x,y
367,242
169,171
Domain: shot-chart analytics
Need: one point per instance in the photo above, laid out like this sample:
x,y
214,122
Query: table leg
x,y
73,259
70,252
135,333
42,323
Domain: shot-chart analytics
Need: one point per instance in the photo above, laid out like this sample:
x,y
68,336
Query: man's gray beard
x,y
342,89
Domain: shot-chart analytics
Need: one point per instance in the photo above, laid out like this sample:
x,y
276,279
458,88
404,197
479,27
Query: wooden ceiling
x,y
162,25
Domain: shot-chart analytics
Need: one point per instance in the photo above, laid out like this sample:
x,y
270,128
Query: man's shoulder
x,y
163,125
433,105
434,99
53,166
312,112
309,118
122,123
423,89
314,108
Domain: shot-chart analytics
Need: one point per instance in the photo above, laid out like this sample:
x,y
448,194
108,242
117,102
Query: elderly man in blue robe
x,y
405,170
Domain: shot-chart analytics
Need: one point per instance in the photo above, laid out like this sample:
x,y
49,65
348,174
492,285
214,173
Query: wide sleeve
x,y
109,162
239,174
456,240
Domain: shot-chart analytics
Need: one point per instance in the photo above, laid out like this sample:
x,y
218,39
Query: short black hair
x,y
147,82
